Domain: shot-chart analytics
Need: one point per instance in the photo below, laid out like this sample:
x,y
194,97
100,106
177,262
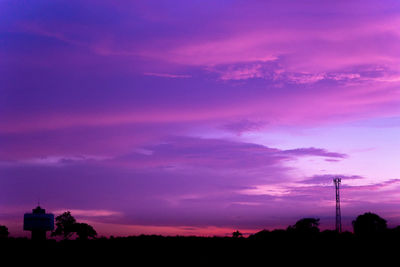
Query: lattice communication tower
x,y
337,182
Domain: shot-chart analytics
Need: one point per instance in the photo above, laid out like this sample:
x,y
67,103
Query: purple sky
x,y
199,117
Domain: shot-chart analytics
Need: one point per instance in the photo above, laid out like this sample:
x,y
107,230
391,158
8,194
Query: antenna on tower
x,y
337,182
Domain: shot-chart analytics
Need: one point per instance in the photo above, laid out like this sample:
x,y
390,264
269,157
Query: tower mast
x,y
337,182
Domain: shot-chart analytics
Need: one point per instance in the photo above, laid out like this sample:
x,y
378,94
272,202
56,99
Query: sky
x,y
199,117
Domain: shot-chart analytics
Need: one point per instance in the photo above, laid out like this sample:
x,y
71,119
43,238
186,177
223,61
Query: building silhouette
x,y
38,222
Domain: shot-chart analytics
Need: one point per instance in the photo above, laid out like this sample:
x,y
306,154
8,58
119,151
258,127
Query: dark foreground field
x,y
263,248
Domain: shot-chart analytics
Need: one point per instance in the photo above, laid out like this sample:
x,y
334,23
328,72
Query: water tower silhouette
x,y
38,222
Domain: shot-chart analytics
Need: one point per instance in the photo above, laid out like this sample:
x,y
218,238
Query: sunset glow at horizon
x,y
199,117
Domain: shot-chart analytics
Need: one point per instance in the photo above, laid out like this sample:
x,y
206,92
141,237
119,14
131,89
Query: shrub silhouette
x,y
4,232
369,225
263,234
305,226
84,231
237,234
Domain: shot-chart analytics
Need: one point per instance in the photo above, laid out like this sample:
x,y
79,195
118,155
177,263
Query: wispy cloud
x,y
218,153
244,125
89,212
166,75
327,179
312,151
60,160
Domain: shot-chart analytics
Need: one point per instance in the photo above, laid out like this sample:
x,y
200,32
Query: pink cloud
x,y
345,103
329,58
335,45
243,73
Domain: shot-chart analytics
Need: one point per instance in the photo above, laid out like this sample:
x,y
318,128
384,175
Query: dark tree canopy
x,y
305,225
369,224
84,231
65,224
4,232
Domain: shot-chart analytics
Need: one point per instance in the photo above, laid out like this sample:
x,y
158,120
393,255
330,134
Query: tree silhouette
x,y
305,225
4,232
237,234
65,224
369,224
84,231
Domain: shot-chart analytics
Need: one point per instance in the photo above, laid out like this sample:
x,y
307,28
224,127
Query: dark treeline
x,y
302,241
